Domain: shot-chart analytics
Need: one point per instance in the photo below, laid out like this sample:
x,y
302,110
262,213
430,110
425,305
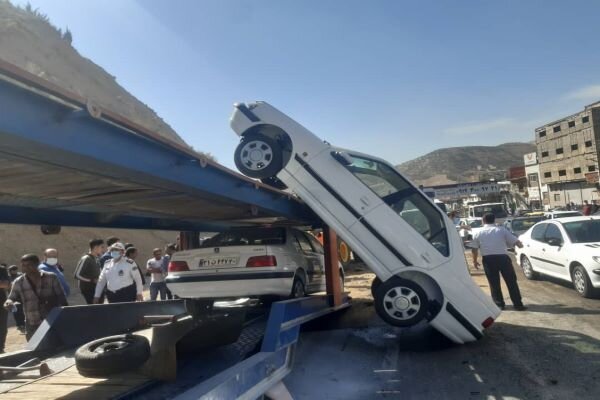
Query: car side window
x,y
552,232
303,242
318,248
538,232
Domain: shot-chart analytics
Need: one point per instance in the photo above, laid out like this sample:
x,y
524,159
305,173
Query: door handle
x,y
543,249
365,200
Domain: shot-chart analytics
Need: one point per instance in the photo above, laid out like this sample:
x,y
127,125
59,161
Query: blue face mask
x,y
115,254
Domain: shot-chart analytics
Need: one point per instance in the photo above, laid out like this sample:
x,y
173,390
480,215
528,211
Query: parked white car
x,y
410,244
565,248
250,262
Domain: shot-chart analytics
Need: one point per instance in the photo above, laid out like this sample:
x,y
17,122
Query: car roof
x,y
529,216
574,219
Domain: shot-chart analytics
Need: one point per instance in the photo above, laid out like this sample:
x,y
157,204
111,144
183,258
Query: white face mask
x,y
52,261
115,254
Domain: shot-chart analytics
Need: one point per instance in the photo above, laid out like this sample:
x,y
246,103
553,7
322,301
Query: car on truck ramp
x,y
400,234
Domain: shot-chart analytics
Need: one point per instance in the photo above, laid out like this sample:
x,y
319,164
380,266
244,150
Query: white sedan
x,y
410,244
250,262
565,248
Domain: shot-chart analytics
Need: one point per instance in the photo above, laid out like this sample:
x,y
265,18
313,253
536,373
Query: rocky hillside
x,y
29,41
460,164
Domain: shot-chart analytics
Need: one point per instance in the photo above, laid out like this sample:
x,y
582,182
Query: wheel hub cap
x,y
401,303
579,282
256,155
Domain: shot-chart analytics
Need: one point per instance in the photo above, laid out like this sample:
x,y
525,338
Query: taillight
x,y
487,323
261,261
178,266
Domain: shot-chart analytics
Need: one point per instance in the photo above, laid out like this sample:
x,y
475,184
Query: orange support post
x,y
332,270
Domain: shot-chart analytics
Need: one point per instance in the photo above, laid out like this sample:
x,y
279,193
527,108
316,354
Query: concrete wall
x,y
577,192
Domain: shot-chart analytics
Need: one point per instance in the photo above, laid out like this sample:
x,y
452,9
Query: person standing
x,y
50,264
587,208
88,270
4,285
132,253
169,250
38,291
120,278
157,284
493,241
17,312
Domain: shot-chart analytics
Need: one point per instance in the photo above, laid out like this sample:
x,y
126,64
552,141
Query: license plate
x,y
218,261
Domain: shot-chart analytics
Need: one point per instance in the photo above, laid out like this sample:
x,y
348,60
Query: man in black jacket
x,y
88,270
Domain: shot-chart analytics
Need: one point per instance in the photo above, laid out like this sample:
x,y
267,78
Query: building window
x,y
577,170
571,124
547,174
544,154
559,150
562,172
542,133
574,147
533,178
588,143
556,196
585,119
556,129
591,168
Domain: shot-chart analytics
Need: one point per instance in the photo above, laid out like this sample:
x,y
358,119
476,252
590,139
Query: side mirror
x,y
554,242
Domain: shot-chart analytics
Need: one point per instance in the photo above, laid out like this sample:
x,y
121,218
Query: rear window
x,y
247,237
525,223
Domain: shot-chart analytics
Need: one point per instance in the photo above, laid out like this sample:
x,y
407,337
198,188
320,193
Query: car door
x,y
534,246
312,263
554,252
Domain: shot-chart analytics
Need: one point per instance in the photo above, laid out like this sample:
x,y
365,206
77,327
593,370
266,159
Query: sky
x,y
395,79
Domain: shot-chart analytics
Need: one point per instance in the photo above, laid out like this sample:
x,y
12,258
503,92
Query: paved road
x,y
551,351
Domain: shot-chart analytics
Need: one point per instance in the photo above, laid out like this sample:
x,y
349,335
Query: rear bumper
x,y
231,285
453,324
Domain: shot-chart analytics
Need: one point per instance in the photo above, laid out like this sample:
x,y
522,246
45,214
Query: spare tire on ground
x,y
112,355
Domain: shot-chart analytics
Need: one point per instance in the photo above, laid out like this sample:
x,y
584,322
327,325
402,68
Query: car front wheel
x,y
259,156
401,302
298,289
581,282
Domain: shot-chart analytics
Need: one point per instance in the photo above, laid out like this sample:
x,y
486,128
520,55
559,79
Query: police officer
x,y
120,277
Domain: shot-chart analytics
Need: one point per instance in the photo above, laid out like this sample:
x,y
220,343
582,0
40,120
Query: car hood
x,y
588,248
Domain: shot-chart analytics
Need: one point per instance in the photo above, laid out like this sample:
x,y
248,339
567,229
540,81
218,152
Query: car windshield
x,y
476,224
587,231
247,237
496,209
412,205
522,224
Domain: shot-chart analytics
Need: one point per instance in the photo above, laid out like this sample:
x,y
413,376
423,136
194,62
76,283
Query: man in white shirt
x,y
155,267
493,241
120,277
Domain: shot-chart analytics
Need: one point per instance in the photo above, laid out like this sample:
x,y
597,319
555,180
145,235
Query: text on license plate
x,y
218,261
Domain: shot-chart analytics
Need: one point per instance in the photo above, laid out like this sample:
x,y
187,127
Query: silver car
x,y
250,262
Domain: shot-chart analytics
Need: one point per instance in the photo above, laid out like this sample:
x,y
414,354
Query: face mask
x,y
52,261
115,254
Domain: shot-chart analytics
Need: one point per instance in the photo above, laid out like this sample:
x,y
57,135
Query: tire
x,y
258,156
581,282
374,285
528,269
401,302
298,288
112,355
341,282
344,253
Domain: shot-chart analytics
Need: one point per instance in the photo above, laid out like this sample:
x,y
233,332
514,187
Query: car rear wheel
x,y
528,269
298,288
374,285
581,282
258,156
401,302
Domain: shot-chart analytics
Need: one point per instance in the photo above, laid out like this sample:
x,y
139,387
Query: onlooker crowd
x,y
108,271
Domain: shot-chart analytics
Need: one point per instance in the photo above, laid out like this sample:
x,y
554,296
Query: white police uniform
x,y
121,279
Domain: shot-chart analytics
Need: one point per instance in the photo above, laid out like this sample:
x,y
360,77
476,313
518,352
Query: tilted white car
x,y
250,262
565,248
400,234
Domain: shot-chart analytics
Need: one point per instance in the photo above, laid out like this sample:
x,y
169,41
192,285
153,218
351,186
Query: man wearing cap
x,y
120,277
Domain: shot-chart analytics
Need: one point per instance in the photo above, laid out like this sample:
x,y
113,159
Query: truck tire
x,y
401,302
258,156
112,355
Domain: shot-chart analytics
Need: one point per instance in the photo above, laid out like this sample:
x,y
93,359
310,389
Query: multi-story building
x,y
567,152
535,190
